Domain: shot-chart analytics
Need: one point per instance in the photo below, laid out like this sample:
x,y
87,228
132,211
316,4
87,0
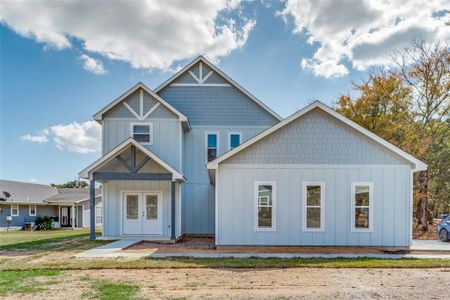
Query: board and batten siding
x,y
112,193
392,205
198,194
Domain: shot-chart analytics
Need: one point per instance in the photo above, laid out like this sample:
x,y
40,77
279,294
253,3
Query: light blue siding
x,y
216,106
24,214
198,193
112,193
392,210
316,138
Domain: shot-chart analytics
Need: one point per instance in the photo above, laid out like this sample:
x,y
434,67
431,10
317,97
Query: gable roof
x,y
99,115
118,149
221,73
32,193
418,165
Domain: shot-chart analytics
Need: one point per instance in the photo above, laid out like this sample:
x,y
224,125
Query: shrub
x,y
46,221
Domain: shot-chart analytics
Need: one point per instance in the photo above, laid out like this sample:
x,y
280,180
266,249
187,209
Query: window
x,y
142,132
32,210
362,206
14,210
234,140
313,206
152,207
98,214
265,206
211,146
132,207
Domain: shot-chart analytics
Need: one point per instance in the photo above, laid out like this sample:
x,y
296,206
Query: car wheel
x,y
443,235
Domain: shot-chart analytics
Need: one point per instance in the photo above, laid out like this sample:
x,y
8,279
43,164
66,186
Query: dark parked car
x,y
443,229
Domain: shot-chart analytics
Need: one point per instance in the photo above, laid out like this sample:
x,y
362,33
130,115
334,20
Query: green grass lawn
x,y
54,240
55,249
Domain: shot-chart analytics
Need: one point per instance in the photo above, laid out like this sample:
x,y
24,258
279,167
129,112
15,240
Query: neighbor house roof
x,y
221,73
73,195
32,193
99,115
26,192
418,165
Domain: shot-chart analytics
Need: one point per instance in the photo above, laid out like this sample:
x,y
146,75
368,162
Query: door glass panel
x,y
132,207
152,207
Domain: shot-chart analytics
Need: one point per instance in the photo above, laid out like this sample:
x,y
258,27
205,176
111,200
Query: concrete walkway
x,y
112,250
430,245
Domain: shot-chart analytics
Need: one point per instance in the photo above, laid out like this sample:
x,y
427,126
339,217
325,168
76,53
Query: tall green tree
x,y
71,184
409,107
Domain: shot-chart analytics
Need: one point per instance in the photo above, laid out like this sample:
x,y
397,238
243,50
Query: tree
x,y
71,184
409,107
426,71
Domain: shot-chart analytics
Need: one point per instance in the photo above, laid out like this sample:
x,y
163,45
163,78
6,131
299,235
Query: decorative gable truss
x,y
141,115
202,75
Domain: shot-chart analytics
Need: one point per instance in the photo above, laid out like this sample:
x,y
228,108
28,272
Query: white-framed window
x,y
234,140
313,206
32,210
142,132
362,206
265,206
212,146
98,214
14,210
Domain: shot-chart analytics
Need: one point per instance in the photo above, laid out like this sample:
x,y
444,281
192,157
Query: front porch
x,y
141,194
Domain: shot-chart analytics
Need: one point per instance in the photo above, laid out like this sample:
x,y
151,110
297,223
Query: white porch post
x,y
72,215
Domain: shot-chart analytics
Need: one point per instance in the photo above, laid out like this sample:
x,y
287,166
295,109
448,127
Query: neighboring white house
x,y
201,155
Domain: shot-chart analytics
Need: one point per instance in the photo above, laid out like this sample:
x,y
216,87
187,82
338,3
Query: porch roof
x,y
89,171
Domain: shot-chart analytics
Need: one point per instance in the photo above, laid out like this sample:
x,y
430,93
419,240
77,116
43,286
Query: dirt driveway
x,y
262,284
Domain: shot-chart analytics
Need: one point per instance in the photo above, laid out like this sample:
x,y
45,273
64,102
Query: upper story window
x,y
313,206
265,206
234,140
362,206
211,146
142,132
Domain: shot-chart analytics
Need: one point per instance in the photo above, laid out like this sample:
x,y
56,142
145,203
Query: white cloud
x,y
93,65
144,33
35,138
75,137
364,33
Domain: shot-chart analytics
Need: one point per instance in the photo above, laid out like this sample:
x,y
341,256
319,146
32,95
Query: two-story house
x,y
201,155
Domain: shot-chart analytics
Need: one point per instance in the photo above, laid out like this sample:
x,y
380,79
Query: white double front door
x,y
142,213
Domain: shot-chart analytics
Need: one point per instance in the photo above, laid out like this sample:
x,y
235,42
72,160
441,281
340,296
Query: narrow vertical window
x,y
32,210
265,206
14,210
313,206
211,146
362,206
234,140
98,214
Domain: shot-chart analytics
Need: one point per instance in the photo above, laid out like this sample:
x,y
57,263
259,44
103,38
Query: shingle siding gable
x,y
316,138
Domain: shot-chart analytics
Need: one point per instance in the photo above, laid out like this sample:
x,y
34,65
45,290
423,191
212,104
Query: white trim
x,y
207,76
131,110
87,172
418,165
299,166
99,115
353,206
206,143
216,207
141,102
231,81
202,84
229,138
29,210
160,193
194,76
149,124
256,205
17,207
305,206
154,107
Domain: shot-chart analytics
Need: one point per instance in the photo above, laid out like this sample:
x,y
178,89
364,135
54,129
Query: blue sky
x,y
65,72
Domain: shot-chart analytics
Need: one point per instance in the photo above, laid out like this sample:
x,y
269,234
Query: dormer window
x,y
142,132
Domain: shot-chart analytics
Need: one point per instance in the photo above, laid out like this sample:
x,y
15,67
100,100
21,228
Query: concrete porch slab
x,y
112,250
430,245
